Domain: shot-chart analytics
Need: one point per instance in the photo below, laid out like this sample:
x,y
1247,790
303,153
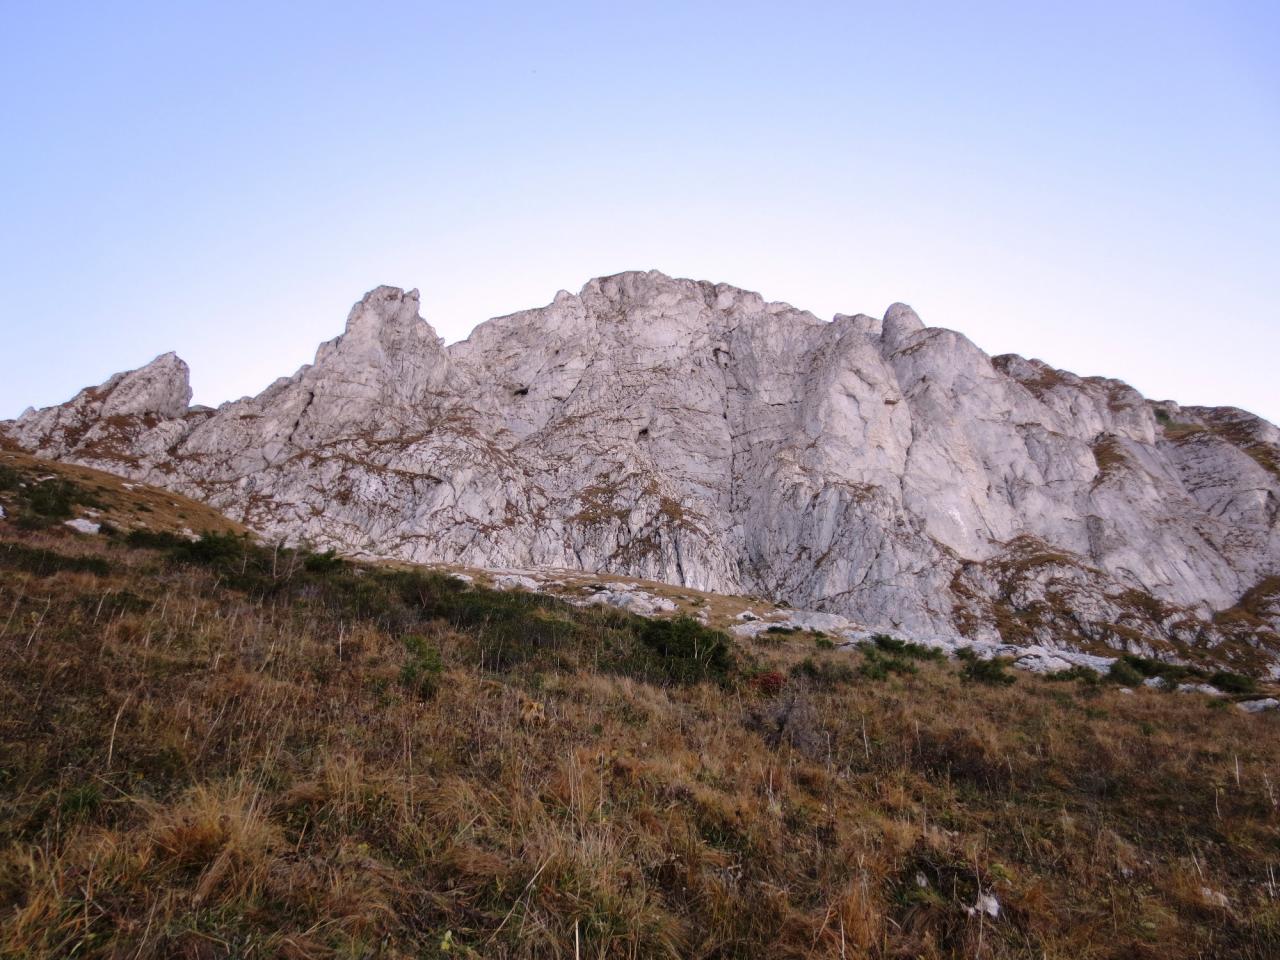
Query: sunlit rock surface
x,y
692,433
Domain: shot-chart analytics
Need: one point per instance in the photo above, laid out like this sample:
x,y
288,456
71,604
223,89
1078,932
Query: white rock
x,y
645,604
515,581
81,525
693,433
1215,898
986,904
796,620
1258,706
1206,689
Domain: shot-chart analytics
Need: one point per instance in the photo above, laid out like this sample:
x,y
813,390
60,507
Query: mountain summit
x,y
694,433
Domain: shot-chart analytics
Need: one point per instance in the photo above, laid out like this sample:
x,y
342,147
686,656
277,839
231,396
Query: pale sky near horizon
x,y
1094,184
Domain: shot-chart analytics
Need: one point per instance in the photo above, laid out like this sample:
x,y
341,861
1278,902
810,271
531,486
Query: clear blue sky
x,y
1096,184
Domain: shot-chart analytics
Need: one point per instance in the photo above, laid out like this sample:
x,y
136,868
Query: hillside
x,y
693,433
38,494
215,748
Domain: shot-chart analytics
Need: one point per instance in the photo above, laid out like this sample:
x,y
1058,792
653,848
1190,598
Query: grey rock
x,y
877,470
1207,689
1259,706
516,581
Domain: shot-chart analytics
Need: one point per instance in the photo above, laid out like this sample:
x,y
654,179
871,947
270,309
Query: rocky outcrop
x,y
694,433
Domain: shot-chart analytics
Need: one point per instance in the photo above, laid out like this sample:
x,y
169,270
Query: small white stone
x,y
1215,898
987,904
81,525
1258,706
516,581
1206,689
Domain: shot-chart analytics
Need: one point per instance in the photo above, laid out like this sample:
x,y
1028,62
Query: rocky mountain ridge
x,y
693,433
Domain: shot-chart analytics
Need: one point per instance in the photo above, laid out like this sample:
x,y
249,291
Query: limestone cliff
x,y
693,433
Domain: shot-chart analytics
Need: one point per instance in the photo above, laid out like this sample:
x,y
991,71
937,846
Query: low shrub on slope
x,y
213,749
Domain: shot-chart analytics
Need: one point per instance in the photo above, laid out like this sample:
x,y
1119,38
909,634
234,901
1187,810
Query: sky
x,y
1093,184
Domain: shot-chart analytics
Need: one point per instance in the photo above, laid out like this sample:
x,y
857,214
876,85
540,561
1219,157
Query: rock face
x,y
693,433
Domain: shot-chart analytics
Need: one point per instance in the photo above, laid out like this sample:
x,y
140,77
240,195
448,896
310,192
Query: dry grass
x,y
107,498
1110,456
232,762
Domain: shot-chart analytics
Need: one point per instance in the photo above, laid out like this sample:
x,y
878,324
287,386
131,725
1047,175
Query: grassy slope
x,y
223,751
74,491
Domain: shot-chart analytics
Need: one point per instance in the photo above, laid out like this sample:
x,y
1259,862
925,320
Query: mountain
x,y
694,433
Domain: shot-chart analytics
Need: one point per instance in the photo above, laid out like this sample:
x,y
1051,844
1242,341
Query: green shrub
x,y
41,504
824,674
1082,674
44,563
907,649
507,628
1229,682
883,655
1125,674
993,672
154,540
242,563
81,801
53,499
877,665
690,651
322,562
877,669
422,671
214,548
1172,673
